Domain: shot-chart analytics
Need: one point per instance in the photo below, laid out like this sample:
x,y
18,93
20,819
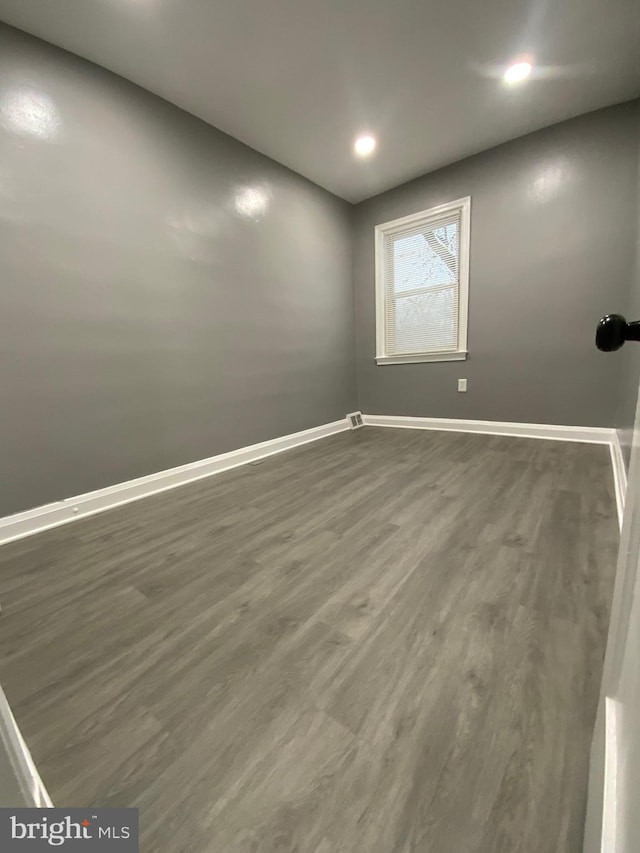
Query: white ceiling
x,y
299,79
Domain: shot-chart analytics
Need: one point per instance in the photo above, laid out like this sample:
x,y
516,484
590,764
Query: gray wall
x,y
150,315
552,233
167,293
630,353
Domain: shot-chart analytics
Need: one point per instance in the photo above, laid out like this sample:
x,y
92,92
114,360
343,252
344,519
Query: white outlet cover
x,y
462,384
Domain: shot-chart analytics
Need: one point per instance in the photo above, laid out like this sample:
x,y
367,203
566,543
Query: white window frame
x,y
387,228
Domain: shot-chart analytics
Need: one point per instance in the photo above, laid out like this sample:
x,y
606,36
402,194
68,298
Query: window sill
x,y
417,358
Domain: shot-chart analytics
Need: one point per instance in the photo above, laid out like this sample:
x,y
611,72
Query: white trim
x,y
27,778
619,474
610,798
592,435
385,228
41,518
463,272
555,432
22,524
422,215
418,358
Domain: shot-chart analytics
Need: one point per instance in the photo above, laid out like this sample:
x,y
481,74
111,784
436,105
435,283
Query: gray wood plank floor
x,y
386,641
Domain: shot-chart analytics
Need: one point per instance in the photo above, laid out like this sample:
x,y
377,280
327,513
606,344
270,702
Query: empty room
x,y
319,453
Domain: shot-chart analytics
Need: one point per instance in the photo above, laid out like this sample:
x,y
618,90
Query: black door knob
x,y
613,330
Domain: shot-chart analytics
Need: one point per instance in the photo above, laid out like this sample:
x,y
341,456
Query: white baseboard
x,y
62,512
592,435
555,432
22,524
619,474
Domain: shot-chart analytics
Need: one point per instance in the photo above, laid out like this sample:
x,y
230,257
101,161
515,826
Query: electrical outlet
x,y
462,384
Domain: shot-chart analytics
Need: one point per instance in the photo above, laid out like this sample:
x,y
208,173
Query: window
x,y
422,285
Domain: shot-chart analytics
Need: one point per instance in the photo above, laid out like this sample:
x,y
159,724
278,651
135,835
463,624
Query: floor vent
x,y
355,420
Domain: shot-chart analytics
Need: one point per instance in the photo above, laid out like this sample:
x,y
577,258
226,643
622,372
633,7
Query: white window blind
x,y
422,285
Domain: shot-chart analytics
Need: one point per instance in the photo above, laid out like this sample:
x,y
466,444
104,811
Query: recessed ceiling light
x,y
517,72
364,145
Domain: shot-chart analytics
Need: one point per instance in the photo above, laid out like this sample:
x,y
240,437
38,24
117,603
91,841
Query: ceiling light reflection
x,y
29,112
548,181
251,202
